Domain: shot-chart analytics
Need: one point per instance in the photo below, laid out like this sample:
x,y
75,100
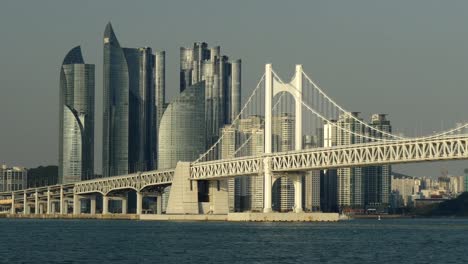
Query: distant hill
x,y
453,207
42,176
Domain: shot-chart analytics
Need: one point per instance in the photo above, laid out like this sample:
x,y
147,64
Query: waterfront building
x,y
12,179
377,178
404,188
245,193
129,119
76,125
311,186
222,84
328,178
283,140
350,181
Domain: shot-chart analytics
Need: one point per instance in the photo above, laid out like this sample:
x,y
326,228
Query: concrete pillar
x,y
76,204
268,185
105,204
12,210
36,202
62,202
298,194
49,203
139,203
159,203
41,208
92,205
124,205
52,207
25,203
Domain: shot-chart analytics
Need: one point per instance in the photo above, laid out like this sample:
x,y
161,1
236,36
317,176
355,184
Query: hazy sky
x,y
407,58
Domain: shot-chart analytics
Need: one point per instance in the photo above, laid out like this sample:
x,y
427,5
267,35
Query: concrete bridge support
x,y
62,202
12,210
36,202
105,204
219,197
183,198
49,202
159,203
76,204
139,203
92,205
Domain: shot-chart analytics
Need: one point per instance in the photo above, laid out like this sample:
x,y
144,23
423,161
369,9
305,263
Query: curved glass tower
x,y
129,126
182,128
76,146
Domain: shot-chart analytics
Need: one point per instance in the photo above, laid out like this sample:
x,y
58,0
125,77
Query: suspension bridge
x,y
264,140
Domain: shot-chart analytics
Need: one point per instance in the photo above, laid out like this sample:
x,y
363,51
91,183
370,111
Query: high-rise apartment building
x,y
350,180
244,193
130,117
222,83
76,132
311,186
12,179
283,128
377,181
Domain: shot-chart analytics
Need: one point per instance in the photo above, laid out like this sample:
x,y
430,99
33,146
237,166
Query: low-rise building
x,y
12,179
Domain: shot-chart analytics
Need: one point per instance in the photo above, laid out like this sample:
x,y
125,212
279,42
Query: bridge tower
x,y
273,87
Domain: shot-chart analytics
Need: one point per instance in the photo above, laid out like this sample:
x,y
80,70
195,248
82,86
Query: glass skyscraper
x,y
76,144
182,130
129,119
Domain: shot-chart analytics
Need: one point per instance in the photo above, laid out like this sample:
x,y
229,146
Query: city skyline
x,y
330,73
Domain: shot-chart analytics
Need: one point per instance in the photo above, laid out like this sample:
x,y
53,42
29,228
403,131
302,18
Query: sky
x,y
408,59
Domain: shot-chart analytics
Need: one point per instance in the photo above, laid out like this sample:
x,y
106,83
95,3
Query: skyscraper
x,y
129,120
350,180
222,81
377,179
245,193
283,140
182,131
76,134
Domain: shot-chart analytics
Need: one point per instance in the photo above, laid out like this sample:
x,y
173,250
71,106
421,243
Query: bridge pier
x,y
92,205
76,204
49,202
297,180
36,202
12,210
124,205
105,204
62,202
139,203
159,203
268,185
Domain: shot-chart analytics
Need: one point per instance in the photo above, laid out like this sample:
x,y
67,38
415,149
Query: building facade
x,y
130,111
222,85
182,131
12,179
76,128
377,179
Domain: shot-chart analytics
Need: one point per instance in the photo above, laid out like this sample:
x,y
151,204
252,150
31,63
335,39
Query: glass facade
x,y
76,144
129,119
182,128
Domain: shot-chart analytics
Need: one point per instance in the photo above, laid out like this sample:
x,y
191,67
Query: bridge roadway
x,y
356,155
57,198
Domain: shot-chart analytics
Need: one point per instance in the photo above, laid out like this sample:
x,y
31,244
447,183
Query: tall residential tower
x,y
129,120
76,144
